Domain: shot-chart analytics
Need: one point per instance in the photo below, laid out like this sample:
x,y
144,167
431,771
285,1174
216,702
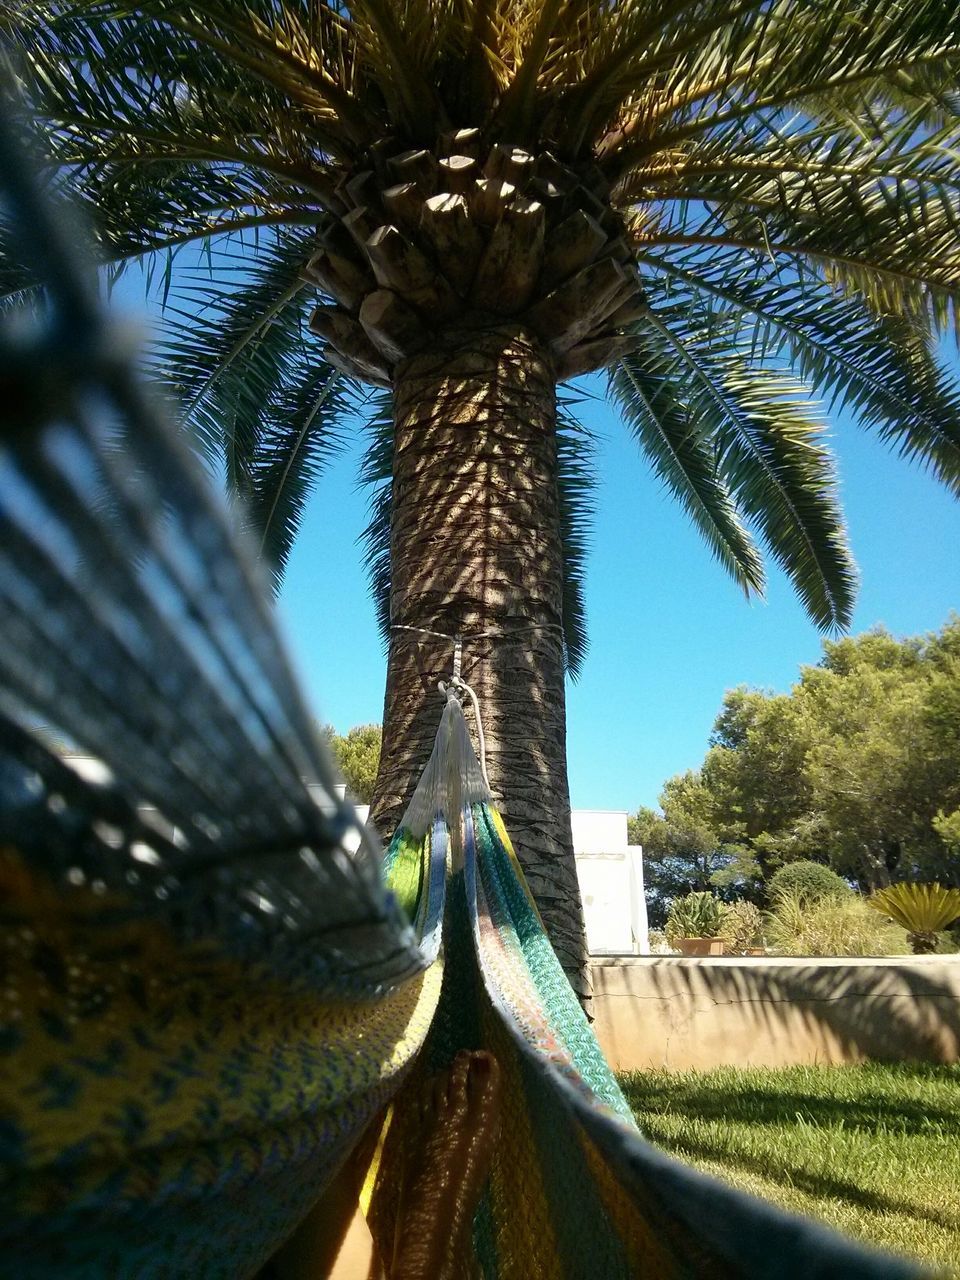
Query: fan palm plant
x,y
922,909
726,203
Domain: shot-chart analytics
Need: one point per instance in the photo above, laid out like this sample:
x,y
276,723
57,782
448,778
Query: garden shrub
x,y
830,926
811,880
924,910
741,927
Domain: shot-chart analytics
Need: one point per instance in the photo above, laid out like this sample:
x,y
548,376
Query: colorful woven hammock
x,y
206,1001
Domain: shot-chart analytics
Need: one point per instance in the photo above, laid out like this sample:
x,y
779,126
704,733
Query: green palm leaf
x,y
576,486
254,389
769,453
645,387
919,908
303,431
225,355
882,367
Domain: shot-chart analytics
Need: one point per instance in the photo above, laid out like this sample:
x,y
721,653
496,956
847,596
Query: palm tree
x,y
729,204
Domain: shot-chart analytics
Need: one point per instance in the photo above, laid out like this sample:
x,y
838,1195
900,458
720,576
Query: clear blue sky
x,y
669,632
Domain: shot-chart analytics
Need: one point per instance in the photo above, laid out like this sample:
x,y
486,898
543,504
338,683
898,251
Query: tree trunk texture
x,y
476,551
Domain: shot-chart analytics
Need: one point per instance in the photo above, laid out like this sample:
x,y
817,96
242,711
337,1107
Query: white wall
x,y
352,841
599,830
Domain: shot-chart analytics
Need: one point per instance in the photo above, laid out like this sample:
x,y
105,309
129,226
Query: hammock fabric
x,y
206,1001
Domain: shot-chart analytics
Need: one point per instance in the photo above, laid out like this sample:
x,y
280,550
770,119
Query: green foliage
x,y
947,827
811,881
741,927
871,1149
832,926
682,850
775,469
782,243
852,776
922,909
695,915
357,754
858,766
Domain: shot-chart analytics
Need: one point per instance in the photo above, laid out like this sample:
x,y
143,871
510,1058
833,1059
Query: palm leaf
x,y
225,355
376,470
303,431
576,491
778,59
645,387
769,452
881,367
919,908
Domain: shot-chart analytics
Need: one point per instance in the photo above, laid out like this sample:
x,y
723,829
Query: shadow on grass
x,y
873,1113
798,1178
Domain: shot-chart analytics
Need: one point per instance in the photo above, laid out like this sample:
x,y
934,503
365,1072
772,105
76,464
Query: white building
x,y
610,872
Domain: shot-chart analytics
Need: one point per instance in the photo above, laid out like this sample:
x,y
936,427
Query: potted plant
x,y
693,925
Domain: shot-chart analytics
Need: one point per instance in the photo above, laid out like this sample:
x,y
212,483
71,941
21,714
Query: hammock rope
x,y
207,1001
451,690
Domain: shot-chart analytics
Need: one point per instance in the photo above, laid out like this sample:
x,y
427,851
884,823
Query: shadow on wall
x,y
699,1014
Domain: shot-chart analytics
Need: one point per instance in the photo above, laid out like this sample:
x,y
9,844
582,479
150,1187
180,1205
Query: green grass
x,y
873,1150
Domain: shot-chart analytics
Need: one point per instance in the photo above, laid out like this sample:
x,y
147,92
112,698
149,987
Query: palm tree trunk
x,y
476,551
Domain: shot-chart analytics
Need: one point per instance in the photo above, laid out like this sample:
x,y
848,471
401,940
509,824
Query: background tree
x,y
858,768
357,754
683,851
756,774
728,202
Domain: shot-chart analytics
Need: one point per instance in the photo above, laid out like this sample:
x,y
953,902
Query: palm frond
x,y
637,43
302,432
880,221
881,367
376,470
773,59
649,395
313,64
417,104
224,355
769,452
576,488
516,104
111,87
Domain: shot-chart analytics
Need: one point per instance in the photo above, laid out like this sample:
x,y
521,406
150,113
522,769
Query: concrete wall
x,y
678,1014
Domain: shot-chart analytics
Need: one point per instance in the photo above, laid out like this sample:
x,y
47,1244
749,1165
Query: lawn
x,y
874,1150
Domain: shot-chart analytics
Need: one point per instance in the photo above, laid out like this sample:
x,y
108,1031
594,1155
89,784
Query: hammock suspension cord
x,y
458,686
477,635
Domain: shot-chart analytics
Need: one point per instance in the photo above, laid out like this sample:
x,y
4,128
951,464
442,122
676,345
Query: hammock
x,y
206,1000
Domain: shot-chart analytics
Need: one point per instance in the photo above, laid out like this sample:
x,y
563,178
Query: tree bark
x,y
476,551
